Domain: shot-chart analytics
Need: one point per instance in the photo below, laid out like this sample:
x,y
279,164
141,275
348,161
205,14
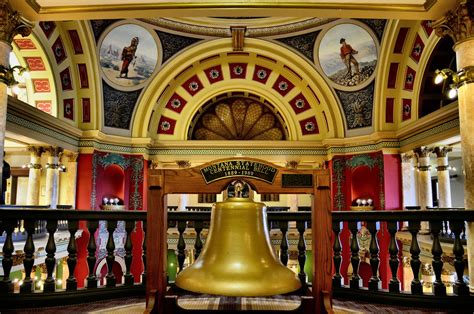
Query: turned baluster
x,y
6,285
355,281
301,227
181,244
284,242
337,279
71,282
144,253
394,284
91,259
129,227
28,261
460,287
111,281
50,261
198,225
374,283
415,263
437,251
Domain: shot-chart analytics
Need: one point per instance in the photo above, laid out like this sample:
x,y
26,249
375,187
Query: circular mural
x,y
128,55
347,54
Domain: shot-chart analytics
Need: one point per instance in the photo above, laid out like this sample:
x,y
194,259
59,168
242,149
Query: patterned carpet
x,y
137,305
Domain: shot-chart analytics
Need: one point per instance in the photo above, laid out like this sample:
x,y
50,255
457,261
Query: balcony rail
x,y
379,223
390,222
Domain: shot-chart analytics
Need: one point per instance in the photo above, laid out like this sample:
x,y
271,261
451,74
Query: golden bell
x,y
238,259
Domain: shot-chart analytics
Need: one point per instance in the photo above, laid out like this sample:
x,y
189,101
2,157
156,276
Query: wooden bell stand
x,y
190,181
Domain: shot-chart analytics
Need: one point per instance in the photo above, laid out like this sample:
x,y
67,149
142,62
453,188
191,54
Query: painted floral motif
x,y
165,126
262,74
309,126
238,70
193,86
283,86
213,74
300,103
175,103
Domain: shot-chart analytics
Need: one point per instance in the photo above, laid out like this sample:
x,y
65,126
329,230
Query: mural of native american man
x,y
128,55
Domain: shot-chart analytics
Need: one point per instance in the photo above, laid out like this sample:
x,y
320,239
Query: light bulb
x,y
452,93
438,78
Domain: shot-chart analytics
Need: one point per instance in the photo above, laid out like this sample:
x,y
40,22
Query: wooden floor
x,y
137,305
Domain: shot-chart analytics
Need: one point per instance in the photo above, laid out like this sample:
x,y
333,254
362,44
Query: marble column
x,y
52,176
459,25
34,175
11,25
409,182
425,194
444,183
68,179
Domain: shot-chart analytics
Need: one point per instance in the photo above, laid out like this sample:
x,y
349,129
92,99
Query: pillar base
x,y
375,285
416,288
394,286
439,289
27,287
461,289
337,282
6,287
129,281
355,283
91,283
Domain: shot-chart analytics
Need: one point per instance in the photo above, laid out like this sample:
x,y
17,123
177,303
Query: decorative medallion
x,y
192,85
426,24
128,56
261,74
409,78
166,125
282,85
417,49
214,74
299,103
48,28
238,70
68,108
66,82
58,50
176,103
309,126
347,54
406,105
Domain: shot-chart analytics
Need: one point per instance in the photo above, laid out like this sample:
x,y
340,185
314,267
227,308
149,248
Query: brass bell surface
x,y
238,259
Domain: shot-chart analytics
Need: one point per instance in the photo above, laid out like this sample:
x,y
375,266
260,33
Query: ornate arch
x,y
265,70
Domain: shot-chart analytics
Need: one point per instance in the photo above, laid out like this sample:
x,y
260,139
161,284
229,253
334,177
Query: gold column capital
x,y
54,151
12,23
423,151
36,150
183,164
71,156
442,151
457,23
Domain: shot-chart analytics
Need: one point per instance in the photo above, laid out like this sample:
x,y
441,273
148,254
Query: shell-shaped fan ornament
x,y
238,119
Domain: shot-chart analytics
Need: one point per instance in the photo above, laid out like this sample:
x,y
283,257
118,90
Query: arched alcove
x,y
113,183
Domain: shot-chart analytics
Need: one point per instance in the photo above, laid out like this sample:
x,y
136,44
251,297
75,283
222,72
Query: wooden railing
x,y
377,222
389,221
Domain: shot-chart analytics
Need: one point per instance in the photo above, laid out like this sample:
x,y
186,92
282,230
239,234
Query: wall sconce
x,y
463,76
10,75
32,166
60,167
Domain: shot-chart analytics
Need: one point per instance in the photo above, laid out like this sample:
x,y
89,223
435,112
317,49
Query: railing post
x,y
6,285
144,224
416,286
301,226
110,259
394,284
460,287
198,225
181,244
374,283
28,262
50,261
71,282
129,227
437,251
92,226
355,281
337,279
284,242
